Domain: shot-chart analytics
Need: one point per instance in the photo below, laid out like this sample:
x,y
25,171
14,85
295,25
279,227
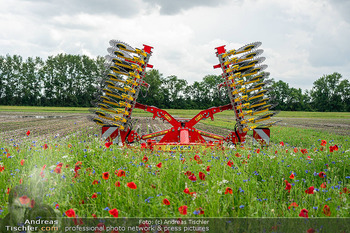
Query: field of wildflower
x,y
303,173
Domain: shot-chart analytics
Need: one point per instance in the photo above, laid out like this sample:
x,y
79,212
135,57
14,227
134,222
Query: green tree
x,y
155,94
31,77
327,93
11,82
173,91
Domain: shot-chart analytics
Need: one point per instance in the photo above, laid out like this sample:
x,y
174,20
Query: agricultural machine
x,y
243,78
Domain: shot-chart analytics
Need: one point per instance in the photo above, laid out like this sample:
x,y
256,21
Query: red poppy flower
x,y
45,146
8,190
2,168
321,174
57,170
282,143
295,150
183,209
94,195
70,213
304,213
311,230
94,215
186,190
24,200
310,190
108,144
22,162
145,159
193,194
197,158
323,185
144,228
105,175
120,173
114,212
345,190
288,186
159,165
192,177
166,201
323,142
228,190
294,204
327,210
117,184
131,185
238,155
100,227
333,148
257,151
94,182
77,168
201,176
291,176
28,132
188,173
208,169
59,165
230,163
75,220
304,151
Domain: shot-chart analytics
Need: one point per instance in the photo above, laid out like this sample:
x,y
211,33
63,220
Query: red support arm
x,y
159,113
207,113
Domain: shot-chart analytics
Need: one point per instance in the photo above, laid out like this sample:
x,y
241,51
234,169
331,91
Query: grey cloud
x,y
121,8
330,50
171,7
343,7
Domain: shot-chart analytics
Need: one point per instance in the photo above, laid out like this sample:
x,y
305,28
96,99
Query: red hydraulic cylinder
x,y
184,136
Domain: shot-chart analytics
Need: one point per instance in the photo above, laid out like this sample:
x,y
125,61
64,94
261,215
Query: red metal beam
x,y
206,114
159,113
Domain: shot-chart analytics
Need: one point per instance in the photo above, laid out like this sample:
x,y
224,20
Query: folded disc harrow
x,y
243,77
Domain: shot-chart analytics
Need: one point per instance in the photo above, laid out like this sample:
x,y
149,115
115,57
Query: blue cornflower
x,y
106,208
241,206
196,212
315,207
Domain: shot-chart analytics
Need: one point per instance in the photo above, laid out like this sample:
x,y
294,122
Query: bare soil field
x,y
337,126
14,125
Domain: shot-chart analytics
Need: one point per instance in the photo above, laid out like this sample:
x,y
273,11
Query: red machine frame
x,y
183,135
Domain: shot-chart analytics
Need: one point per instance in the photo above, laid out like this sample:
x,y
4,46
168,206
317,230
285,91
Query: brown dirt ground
x,y
14,125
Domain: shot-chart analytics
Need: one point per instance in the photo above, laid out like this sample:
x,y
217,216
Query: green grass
x,y
256,179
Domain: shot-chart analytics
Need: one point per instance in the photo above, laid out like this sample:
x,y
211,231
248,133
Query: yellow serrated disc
x,y
110,83
98,121
99,113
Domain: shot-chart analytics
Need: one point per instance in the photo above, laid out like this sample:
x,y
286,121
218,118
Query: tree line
x,y
72,80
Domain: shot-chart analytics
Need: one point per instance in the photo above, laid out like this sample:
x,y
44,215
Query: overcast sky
x,y
302,39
